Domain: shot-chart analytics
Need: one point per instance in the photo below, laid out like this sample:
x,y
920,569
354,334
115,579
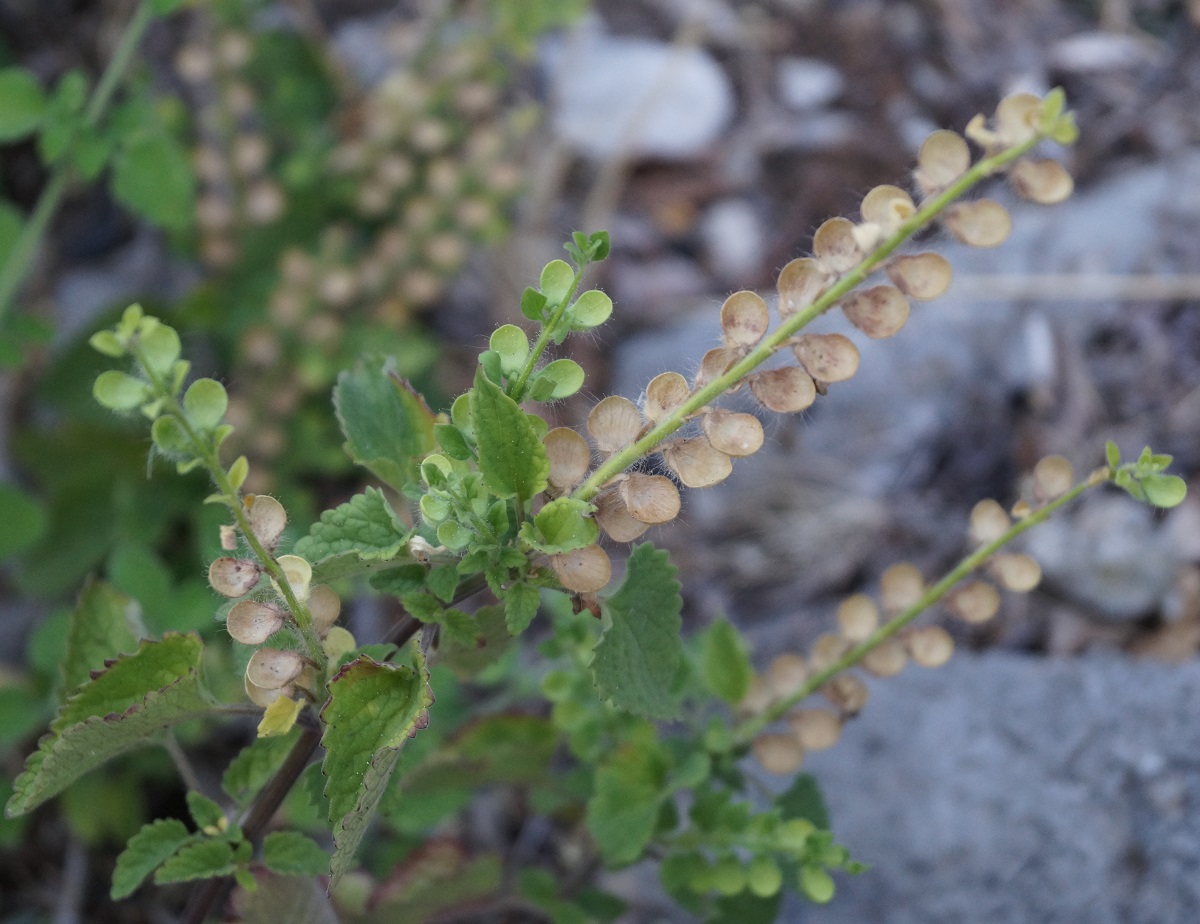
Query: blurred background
x,y
297,181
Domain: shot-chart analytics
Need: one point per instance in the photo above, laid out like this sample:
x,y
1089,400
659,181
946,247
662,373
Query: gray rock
x,y
733,238
1004,789
808,83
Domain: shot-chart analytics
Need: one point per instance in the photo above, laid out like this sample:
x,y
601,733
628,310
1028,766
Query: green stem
x,y
621,460
208,455
549,329
20,258
748,729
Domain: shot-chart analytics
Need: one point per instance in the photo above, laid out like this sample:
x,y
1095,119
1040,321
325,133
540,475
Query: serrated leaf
x,y
561,526
636,660
521,602
490,641
512,459
205,813
387,426
623,810
137,697
724,662
365,526
152,176
291,853
372,710
153,844
22,103
249,771
202,860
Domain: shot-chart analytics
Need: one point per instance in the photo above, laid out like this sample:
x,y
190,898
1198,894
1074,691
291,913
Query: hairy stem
x,y
549,328
922,218
747,730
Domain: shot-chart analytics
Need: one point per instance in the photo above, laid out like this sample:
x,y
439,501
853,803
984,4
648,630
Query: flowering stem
x,y
755,724
549,328
621,460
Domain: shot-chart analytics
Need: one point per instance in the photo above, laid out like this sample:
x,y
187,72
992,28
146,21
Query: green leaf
x,y
636,659
22,103
1112,454
803,799
290,853
512,458
163,7
24,518
372,710
816,884
557,279
563,525
443,581
278,899
511,344
1164,490
533,304
365,526
205,403
205,813
160,346
137,697
152,176
724,662
565,377
201,860
388,427
491,640
119,391
623,810
590,310
452,441
171,439
104,624
90,154
521,602
249,771
746,908
145,851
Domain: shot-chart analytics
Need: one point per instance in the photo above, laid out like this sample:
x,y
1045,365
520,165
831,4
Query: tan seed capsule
x,y
714,364
826,357
569,457
744,319
879,312
665,393
815,729
786,675
614,423
650,498
989,521
800,283
922,276
847,693
252,622
857,617
887,206
828,649
1017,118
887,659
584,570
900,587
1043,181
1016,572
835,245
1052,477
975,602
734,434
758,696
267,518
696,462
325,606
233,577
264,202
260,696
785,390
943,158
778,753
930,646
250,153
614,518
982,223
298,573
272,668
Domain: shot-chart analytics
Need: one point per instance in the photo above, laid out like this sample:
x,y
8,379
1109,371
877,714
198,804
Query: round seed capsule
x,y
272,668
298,573
714,364
930,646
988,521
943,158
786,675
734,434
252,622
614,423
267,518
584,570
879,312
1017,117
826,357
744,319
1043,181
975,602
887,659
697,463
1016,572
900,586
665,393
1052,477
260,696
922,276
847,693
888,207
614,518
325,606
569,457
835,245
650,498
778,753
983,223
233,577
858,617
800,284
784,390
828,648
816,729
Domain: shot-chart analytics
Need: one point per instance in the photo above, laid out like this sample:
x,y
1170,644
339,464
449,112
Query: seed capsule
x,y
975,602
815,729
982,223
650,498
847,693
826,357
614,518
989,521
835,245
324,606
1052,477
569,457
1042,181
887,659
922,276
260,696
614,423
233,577
858,617
267,518
784,390
744,320
714,364
1017,117
252,622
298,573
828,648
734,434
786,675
943,158
665,393
584,570
696,462
272,668
1016,572
887,206
900,587
778,753
800,283
879,312
930,646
